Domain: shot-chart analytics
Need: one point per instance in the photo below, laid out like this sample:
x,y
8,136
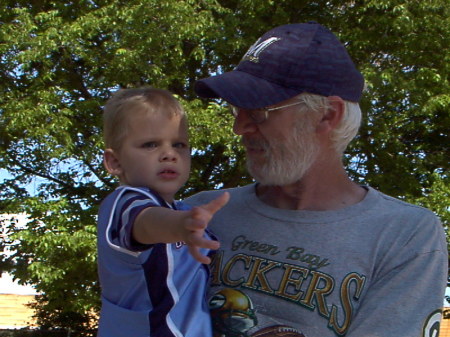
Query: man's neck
x,y
318,190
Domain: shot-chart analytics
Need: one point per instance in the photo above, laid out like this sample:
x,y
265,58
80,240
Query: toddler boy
x,y
152,250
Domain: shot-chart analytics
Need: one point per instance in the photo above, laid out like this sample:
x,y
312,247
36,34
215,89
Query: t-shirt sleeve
x,y
128,207
408,291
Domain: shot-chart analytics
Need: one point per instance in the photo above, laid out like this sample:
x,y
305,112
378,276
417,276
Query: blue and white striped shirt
x,y
147,290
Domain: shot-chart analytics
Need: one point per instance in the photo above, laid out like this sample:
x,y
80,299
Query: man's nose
x,y
243,123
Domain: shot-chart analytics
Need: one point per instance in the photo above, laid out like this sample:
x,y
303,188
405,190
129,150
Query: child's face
x,y
155,154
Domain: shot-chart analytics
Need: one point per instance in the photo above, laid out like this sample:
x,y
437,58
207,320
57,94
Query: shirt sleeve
x,y
128,207
407,294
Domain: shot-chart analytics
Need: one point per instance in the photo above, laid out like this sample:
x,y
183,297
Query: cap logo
x,y
256,49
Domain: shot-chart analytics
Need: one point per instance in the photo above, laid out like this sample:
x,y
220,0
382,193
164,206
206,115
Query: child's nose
x,y
168,154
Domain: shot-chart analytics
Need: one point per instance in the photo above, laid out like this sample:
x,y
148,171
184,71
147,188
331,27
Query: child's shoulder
x,y
125,194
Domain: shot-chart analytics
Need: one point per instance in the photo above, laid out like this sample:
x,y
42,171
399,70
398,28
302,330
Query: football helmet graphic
x,y
232,313
278,331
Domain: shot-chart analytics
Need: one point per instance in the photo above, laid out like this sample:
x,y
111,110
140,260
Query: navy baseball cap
x,y
283,63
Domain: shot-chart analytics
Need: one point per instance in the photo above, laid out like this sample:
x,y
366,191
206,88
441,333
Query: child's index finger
x,y
214,205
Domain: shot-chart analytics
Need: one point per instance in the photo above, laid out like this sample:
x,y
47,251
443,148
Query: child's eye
x,y
149,145
180,145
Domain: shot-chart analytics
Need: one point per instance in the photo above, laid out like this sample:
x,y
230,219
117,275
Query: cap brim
x,y
243,90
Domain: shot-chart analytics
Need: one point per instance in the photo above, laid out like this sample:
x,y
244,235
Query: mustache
x,y
255,143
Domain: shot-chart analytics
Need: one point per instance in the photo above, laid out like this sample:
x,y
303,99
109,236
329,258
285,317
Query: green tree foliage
x,y
60,60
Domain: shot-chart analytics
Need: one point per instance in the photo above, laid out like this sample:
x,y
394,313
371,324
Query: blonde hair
x,y
125,103
348,126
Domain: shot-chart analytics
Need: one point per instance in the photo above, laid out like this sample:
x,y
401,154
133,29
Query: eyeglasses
x,y
259,115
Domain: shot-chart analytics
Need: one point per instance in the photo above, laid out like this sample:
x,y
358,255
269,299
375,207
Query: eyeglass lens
x,y
257,115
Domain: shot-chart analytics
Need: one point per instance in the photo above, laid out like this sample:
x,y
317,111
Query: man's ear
x,y
111,162
333,116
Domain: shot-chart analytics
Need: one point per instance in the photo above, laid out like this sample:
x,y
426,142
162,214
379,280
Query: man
x,y
305,251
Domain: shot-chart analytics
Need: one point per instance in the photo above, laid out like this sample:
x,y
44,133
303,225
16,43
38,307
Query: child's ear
x,y
332,116
111,162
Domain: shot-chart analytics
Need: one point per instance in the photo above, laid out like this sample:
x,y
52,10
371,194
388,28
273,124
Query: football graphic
x,y
278,331
232,313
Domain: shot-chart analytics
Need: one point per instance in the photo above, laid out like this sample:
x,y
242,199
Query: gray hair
x,y
348,126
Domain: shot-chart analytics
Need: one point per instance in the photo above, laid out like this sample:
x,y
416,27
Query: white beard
x,y
285,162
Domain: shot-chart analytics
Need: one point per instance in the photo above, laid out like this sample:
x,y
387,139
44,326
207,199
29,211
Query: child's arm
x,y
165,225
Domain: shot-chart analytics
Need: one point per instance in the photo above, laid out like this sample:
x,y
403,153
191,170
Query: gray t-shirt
x,y
376,268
